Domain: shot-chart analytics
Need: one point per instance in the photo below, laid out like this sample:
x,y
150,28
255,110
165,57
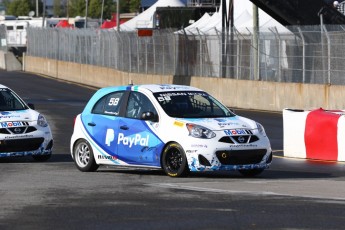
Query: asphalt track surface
x,y
292,194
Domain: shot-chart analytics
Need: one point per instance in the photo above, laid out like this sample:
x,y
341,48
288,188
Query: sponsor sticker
x,y
191,151
11,124
233,132
198,146
137,139
107,157
177,123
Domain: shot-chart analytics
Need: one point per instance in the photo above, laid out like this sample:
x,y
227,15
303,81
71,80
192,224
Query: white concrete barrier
x,y
314,134
293,126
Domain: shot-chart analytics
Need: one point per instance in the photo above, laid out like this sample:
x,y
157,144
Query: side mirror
x,y
149,116
32,106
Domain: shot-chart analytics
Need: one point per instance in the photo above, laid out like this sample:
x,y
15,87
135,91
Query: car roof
x,y
156,88
145,88
3,86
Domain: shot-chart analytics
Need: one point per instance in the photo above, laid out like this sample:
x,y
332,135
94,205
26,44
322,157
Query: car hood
x,y
236,122
20,115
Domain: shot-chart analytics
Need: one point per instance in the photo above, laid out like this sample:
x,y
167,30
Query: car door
x,y
137,140
102,123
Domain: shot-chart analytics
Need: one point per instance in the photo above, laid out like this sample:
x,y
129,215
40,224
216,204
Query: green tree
x,y
95,8
109,8
6,3
57,8
19,8
124,6
76,8
134,6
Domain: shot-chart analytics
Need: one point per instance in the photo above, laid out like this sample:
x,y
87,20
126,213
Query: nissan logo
x,y
17,130
241,139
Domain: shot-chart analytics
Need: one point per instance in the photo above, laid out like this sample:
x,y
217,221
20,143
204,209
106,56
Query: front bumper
x,y
208,155
25,147
228,161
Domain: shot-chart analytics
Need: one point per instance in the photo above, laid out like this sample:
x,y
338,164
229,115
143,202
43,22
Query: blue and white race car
x,y
23,131
174,127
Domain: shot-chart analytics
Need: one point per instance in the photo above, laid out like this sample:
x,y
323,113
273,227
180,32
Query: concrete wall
x,y
261,95
9,62
2,60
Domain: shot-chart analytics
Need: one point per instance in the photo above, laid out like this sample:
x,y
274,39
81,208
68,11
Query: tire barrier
x,y
315,134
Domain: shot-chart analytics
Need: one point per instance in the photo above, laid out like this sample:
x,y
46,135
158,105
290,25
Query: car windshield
x,y
9,101
191,104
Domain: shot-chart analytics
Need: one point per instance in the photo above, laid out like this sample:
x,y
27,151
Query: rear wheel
x,y
83,156
174,161
251,172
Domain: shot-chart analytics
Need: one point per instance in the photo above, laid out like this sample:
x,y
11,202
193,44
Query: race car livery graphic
x,y
177,128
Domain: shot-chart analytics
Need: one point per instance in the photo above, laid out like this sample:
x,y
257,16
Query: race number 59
x,y
113,101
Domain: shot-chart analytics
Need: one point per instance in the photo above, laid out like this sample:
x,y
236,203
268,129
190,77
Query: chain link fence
x,y
3,38
310,54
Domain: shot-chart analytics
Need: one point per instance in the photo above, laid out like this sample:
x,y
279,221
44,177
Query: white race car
x,y
174,127
23,131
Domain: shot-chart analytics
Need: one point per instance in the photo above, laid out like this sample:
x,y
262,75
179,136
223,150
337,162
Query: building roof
x,y
148,3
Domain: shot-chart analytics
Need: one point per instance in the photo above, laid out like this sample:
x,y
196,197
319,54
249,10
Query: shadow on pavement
x,y
28,159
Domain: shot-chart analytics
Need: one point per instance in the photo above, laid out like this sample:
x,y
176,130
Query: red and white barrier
x,y
316,134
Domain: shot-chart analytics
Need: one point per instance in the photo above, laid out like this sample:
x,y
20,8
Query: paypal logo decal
x,y
137,139
109,137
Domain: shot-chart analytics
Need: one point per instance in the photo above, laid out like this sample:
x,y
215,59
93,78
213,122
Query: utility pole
x,y
36,8
44,13
86,7
227,21
102,12
256,42
118,15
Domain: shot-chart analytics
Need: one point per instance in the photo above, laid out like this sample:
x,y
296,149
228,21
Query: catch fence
x,y
311,54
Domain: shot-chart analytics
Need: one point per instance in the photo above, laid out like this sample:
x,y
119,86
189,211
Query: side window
x,y
137,104
109,104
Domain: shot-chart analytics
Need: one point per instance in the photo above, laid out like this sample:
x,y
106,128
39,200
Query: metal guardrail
x,y
306,55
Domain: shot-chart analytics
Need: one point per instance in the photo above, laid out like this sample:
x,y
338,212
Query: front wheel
x,y
174,161
83,156
251,172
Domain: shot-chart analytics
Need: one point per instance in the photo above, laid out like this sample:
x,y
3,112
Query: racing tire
x,y
83,156
251,172
174,161
41,158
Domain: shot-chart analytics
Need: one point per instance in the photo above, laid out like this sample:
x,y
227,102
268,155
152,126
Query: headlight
x,y
260,128
41,121
199,131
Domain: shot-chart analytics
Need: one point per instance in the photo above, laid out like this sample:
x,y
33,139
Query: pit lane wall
x,y
259,95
